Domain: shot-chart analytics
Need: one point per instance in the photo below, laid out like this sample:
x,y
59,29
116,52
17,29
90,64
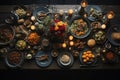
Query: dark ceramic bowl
x,y
7,34
13,64
88,26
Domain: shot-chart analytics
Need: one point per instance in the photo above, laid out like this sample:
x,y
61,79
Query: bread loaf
x,y
116,35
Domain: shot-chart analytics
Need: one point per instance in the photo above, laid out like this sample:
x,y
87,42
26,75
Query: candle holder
x,y
71,43
69,15
61,15
70,37
70,12
64,45
83,4
110,15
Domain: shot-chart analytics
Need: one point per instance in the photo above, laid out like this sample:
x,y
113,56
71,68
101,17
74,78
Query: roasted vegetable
x,y
21,44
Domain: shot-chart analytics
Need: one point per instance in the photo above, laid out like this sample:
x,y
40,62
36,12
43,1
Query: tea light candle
x,y
32,27
110,14
71,43
64,45
84,3
103,26
70,37
70,11
33,18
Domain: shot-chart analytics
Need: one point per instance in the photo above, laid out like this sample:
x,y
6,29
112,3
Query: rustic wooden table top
x,y
4,9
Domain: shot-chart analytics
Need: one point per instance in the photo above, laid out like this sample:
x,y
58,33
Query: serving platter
x,y
112,29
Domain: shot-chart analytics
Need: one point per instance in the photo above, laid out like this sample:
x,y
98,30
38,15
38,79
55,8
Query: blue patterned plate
x,y
93,12
43,58
39,11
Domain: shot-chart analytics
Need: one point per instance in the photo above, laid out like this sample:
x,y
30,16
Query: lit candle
x,y
70,11
84,3
103,26
110,14
70,37
33,18
71,43
64,45
32,27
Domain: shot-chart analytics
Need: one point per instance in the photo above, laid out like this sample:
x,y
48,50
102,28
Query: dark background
x,y
99,2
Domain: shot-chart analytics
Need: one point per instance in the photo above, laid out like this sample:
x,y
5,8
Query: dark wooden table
x,y
5,9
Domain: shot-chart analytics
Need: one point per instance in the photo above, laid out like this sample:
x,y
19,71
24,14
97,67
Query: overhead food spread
x,y
46,35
